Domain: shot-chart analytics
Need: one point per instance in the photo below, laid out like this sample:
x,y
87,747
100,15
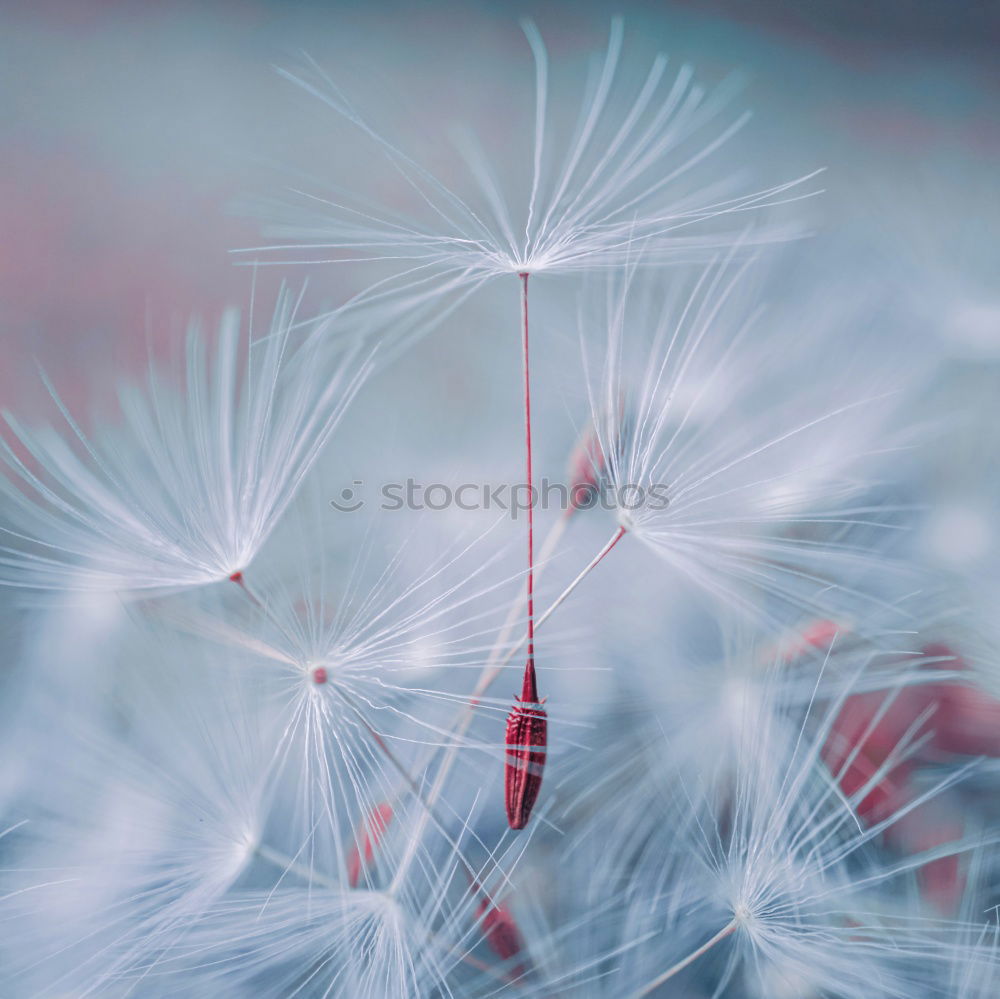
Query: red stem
x,y
529,692
237,578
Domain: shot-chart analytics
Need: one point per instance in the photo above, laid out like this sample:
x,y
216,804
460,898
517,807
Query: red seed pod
x,y
866,732
585,469
967,720
818,635
500,930
526,738
368,836
933,824
588,464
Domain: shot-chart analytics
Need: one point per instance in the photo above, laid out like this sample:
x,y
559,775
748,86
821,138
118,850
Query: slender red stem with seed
x,y
527,726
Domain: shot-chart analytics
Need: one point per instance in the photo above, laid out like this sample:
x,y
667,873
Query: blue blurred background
x,y
132,133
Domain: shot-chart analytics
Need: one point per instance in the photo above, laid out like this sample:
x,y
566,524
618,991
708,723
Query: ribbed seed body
x,y
526,739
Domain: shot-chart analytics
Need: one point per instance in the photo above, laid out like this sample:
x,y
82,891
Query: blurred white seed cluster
x,y
253,743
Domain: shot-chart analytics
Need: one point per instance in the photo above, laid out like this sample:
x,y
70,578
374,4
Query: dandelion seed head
x,y
630,169
185,489
768,492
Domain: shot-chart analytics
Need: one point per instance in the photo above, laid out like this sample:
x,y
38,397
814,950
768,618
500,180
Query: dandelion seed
x,y
353,694
187,490
318,939
785,867
521,792
311,942
152,823
610,191
728,464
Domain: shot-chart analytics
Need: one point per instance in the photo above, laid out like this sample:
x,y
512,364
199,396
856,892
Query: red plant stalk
x,y
366,839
